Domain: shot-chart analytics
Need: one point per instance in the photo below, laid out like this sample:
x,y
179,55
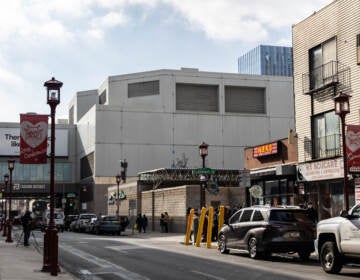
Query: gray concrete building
x,y
157,119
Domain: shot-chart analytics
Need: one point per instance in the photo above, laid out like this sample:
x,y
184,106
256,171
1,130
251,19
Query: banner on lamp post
x,y
33,138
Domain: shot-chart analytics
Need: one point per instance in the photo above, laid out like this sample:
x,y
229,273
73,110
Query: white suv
x,y
338,240
58,219
83,221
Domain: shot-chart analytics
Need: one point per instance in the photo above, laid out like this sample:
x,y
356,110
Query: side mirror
x,y
344,214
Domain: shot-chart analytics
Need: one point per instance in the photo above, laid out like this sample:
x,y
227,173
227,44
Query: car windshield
x,y
87,217
110,218
56,216
289,216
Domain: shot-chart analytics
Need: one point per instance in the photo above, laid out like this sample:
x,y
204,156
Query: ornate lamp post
x,y
11,165
342,108
118,179
50,237
6,181
203,149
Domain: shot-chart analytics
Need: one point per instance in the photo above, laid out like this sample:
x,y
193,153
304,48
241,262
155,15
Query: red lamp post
x,y
51,238
342,108
11,165
6,181
203,149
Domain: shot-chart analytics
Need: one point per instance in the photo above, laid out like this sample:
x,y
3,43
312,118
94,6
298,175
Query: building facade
x,y
32,181
326,62
157,119
267,60
272,168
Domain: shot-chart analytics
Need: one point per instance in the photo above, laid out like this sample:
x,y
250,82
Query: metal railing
x,y
327,75
323,147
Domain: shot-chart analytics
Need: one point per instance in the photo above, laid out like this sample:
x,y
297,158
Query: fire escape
x,y
322,84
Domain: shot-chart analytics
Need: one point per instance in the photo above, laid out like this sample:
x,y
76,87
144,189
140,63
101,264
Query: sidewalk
x,y
24,263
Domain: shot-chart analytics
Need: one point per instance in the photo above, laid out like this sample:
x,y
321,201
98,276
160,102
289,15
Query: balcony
x,y
330,76
323,147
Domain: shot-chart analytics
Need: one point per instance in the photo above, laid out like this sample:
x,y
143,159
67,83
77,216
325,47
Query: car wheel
x,y
252,247
330,258
97,231
304,255
222,244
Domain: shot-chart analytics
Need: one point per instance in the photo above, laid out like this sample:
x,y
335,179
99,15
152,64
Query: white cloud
x,y
242,19
111,19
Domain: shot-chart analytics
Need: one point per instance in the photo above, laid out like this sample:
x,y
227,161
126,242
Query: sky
x,y
82,42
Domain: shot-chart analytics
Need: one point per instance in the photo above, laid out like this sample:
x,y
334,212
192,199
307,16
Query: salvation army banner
x,y
33,138
353,147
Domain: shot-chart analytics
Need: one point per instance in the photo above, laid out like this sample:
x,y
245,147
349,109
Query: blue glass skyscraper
x,y
267,60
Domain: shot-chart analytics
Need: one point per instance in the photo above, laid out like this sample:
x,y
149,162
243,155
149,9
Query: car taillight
x,y
271,227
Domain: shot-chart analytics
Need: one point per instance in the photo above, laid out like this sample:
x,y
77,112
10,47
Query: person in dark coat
x,y
312,212
144,222
139,222
26,222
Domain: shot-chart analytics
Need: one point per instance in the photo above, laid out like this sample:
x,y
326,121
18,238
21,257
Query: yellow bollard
x,y
221,217
201,226
209,227
188,228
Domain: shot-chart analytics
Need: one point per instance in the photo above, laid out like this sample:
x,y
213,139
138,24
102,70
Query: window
x,y
323,67
258,216
358,48
143,89
245,217
326,136
235,218
247,100
195,97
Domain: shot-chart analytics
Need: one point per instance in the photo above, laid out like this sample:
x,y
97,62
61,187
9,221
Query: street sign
x,y
204,171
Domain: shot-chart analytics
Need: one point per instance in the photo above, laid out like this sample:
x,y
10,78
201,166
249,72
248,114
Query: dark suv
x,y
263,230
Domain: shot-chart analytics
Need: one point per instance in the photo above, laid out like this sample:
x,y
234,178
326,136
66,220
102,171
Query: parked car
x,y
263,230
89,227
73,224
68,220
58,218
82,222
338,240
111,224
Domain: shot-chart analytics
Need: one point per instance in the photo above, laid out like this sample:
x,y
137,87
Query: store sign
x,y
24,187
353,147
10,142
265,150
321,170
357,190
256,191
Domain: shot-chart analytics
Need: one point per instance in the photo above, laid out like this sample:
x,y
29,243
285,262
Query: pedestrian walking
x,y
139,222
166,221
26,222
144,222
162,222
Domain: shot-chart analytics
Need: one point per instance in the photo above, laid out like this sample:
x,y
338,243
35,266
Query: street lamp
x,y
118,179
6,181
342,108
11,165
203,149
50,237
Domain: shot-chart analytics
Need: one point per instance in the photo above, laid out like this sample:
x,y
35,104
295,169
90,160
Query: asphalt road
x,y
164,257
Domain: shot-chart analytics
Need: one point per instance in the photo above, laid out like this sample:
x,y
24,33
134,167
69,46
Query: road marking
x,y
207,275
125,274
123,249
